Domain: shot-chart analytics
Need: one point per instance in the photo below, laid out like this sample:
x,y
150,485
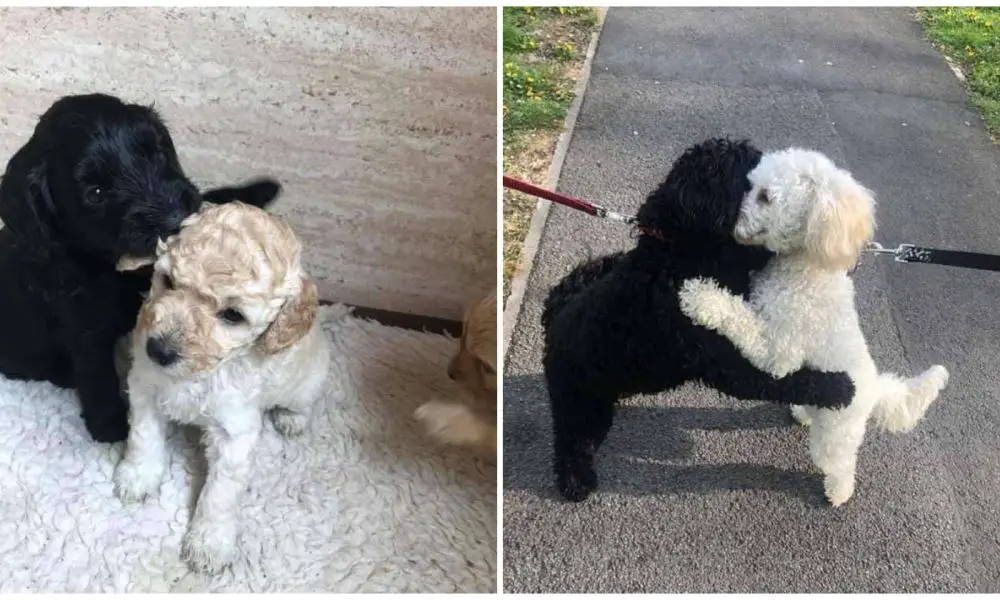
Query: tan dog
x,y
228,334
473,422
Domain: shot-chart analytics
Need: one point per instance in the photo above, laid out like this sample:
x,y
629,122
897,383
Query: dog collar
x,y
650,232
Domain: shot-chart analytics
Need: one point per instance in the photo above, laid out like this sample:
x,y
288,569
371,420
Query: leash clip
x,y
902,252
877,248
899,253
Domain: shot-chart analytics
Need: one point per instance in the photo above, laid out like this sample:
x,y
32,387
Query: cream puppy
x,y
228,334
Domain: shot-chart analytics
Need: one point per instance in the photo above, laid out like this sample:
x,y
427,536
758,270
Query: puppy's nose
x,y
161,351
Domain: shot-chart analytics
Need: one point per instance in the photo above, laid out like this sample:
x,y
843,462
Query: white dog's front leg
x,y
712,307
210,542
140,472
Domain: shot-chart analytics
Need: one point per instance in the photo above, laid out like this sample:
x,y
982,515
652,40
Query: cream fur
x,y
227,377
801,312
471,422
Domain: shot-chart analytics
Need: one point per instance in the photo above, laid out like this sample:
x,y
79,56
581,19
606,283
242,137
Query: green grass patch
x,y
970,37
543,50
539,43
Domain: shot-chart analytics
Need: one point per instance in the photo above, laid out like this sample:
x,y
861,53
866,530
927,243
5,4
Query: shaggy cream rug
x,y
363,502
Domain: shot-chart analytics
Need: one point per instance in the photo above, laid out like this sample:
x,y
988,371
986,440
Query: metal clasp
x,y
903,251
877,248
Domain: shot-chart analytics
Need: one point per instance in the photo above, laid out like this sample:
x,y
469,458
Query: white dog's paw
x,y
704,302
838,489
450,422
134,482
801,415
209,548
289,423
937,376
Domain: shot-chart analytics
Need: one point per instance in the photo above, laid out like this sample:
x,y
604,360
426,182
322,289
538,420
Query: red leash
x,y
588,207
579,204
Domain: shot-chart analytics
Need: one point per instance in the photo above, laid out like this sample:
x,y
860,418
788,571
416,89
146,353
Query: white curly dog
x,y
817,220
227,334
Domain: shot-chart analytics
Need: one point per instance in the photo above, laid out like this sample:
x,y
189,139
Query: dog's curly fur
x,y
98,181
613,327
817,219
470,422
228,333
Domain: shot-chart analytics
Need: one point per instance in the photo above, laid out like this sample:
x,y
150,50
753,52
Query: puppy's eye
x,y
763,198
96,195
167,281
232,316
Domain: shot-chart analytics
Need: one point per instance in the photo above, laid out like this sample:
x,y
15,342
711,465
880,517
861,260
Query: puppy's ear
x,y
259,192
293,322
481,325
842,222
26,206
480,336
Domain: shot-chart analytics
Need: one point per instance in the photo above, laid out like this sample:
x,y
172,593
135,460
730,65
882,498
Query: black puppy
x,y
613,327
98,181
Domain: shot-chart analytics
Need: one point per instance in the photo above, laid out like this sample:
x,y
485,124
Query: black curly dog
x,y
613,327
98,180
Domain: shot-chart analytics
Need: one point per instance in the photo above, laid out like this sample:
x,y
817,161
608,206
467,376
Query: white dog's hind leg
x,y
903,403
292,404
292,414
801,415
141,470
288,422
210,542
834,440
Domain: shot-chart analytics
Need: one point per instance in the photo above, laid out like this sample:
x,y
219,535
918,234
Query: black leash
x,y
908,253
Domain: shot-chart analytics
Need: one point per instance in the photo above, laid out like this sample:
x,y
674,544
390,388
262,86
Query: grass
x,y
543,55
970,37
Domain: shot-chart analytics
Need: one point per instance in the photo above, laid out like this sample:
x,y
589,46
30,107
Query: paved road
x,y
703,493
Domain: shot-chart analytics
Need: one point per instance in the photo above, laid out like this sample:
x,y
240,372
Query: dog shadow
x,y
639,456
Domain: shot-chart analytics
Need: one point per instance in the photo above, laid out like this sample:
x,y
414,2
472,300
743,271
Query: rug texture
x,y
362,502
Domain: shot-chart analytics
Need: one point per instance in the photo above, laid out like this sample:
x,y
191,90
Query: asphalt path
x,y
703,493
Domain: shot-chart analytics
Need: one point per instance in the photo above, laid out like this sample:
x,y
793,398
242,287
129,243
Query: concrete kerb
x,y
512,309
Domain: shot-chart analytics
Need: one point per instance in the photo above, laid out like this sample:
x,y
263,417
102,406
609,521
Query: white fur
x,y
801,312
229,404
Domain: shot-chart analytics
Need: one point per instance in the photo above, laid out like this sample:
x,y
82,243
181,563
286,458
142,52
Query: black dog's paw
x,y
841,391
577,482
108,428
829,390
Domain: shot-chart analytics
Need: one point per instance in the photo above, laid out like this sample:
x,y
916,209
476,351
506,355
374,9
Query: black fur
x,y
98,179
613,327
